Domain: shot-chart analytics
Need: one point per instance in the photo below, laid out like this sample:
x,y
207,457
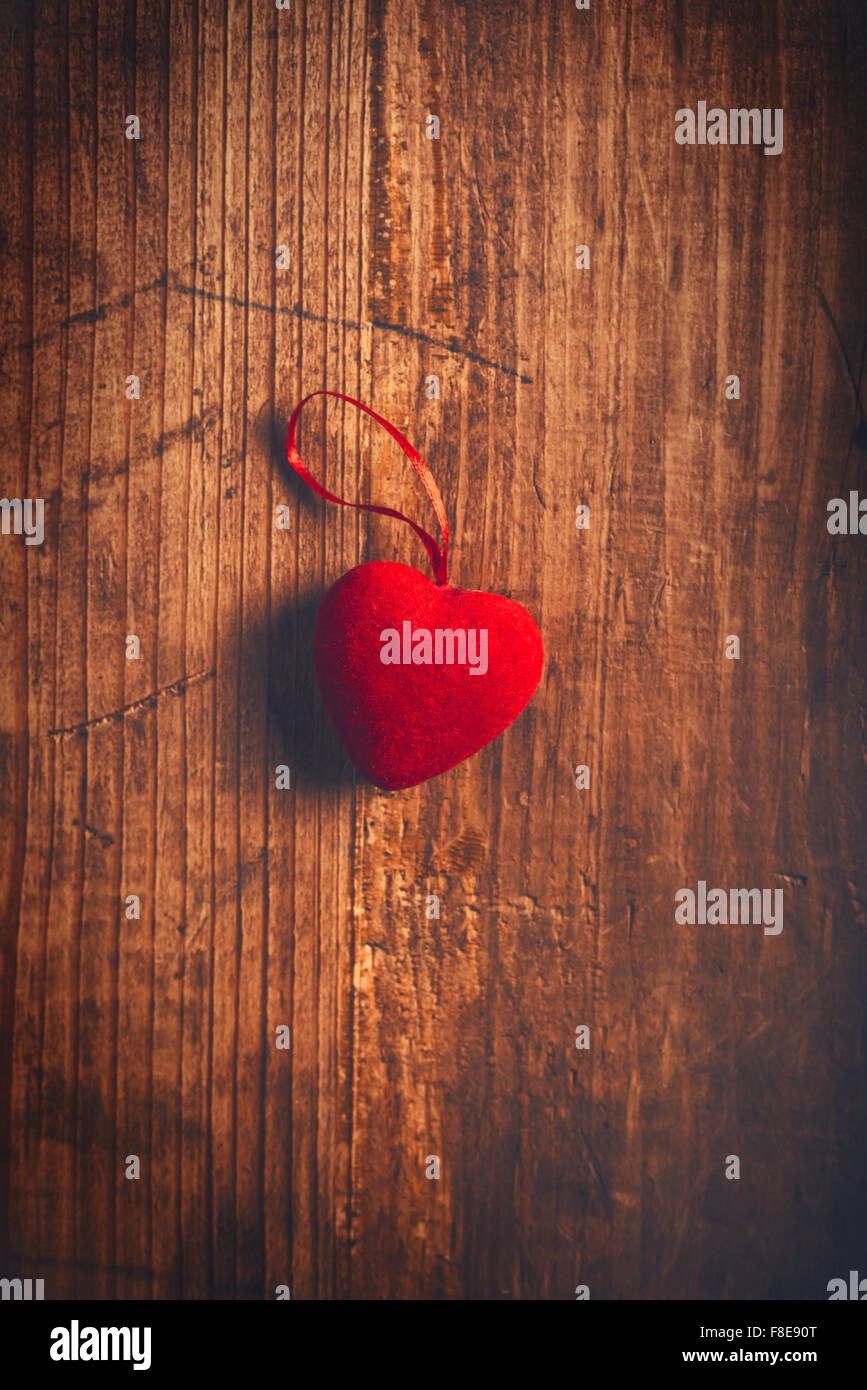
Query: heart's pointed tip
x,y
392,787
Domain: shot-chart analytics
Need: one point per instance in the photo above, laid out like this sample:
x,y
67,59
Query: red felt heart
x,y
417,676
403,721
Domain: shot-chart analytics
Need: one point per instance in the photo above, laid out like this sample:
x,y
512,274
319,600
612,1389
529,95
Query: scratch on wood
x,y
177,687
235,301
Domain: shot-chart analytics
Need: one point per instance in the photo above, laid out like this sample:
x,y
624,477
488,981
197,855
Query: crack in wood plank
x,y
178,687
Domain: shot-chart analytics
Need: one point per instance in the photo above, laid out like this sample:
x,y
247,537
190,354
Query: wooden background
x,y
306,907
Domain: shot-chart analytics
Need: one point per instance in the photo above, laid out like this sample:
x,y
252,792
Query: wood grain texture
x,y
260,907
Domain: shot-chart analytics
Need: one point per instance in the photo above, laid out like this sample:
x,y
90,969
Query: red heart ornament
x,y
403,721
417,676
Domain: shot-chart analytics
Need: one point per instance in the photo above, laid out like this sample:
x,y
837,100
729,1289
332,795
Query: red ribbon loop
x,y
438,556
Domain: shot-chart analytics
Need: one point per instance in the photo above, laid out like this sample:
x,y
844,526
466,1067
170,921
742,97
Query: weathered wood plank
x,y
414,1035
